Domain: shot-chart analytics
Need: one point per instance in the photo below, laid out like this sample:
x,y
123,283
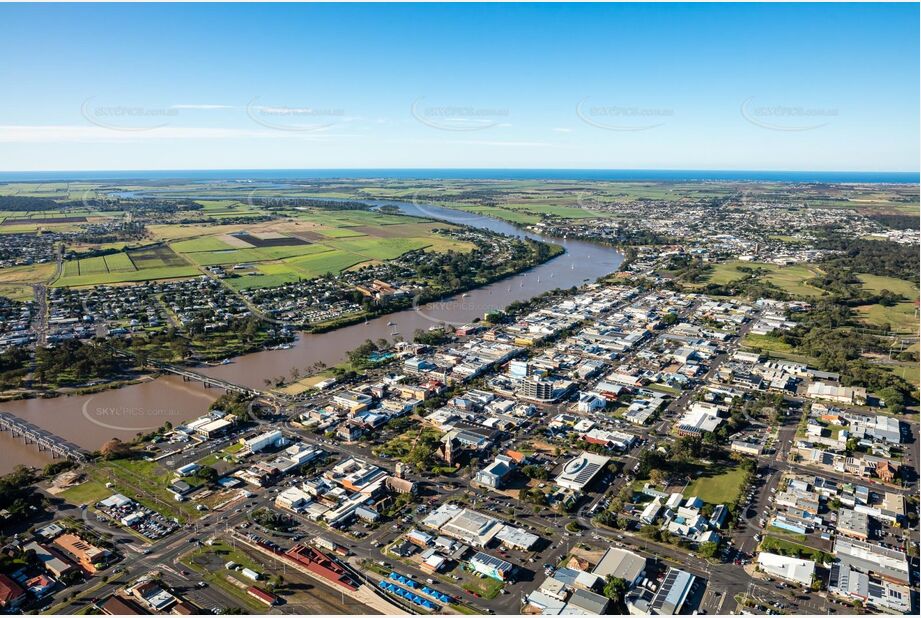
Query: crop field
x,y
310,244
142,264
240,256
381,248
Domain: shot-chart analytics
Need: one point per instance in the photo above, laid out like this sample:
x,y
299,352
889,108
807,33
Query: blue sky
x,y
659,86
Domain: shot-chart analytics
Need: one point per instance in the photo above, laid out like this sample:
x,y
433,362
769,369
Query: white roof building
x,y
791,569
580,471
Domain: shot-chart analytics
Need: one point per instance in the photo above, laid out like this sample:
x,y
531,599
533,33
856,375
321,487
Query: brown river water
x,y
90,420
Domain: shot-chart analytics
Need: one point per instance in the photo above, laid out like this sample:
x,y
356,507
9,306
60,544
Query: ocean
x,y
473,174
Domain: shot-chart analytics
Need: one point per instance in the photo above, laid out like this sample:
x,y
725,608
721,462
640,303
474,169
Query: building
x,y
471,527
790,569
851,395
853,523
215,428
622,564
117,605
266,597
52,562
490,566
886,564
495,474
269,439
516,538
538,389
357,475
585,602
850,583
87,555
674,593
698,419
581,471
746,448
618,440
11,594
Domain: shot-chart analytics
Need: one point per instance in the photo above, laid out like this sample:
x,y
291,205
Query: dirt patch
x,y
270,239
235,241
310,236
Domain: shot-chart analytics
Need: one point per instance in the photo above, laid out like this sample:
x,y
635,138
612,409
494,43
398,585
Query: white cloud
x,y
500,143
562,130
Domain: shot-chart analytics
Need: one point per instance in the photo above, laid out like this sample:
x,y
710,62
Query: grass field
x,y
36,273
722,488
791,279
876,284
900,318
18,292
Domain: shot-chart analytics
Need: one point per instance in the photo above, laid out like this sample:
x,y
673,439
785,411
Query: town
x,y
658,440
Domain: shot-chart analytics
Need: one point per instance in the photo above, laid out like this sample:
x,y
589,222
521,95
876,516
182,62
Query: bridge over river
x,y
44,440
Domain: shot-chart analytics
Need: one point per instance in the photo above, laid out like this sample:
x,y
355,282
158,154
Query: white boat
x,y
391,323
226,361
465,295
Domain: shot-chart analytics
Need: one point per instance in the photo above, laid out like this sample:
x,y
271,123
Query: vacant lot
x,y
721,488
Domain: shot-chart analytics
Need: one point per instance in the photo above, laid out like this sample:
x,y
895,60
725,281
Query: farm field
x,y
141,264
309,245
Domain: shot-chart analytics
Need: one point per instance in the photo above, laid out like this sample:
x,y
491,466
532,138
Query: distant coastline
x,y
473,174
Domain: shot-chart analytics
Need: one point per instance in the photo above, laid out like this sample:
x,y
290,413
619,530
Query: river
x,y
90,420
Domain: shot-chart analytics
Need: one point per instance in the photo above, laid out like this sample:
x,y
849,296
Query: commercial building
x,y
87,555
853,523
674,593
52,562
846,581
269,439
494,475
538,389
887,564
787,568
579,472
215,428
358,475
516,538
622,564
490,566
852,395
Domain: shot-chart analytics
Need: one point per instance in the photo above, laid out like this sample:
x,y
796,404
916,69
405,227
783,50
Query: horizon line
x,y
409,168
